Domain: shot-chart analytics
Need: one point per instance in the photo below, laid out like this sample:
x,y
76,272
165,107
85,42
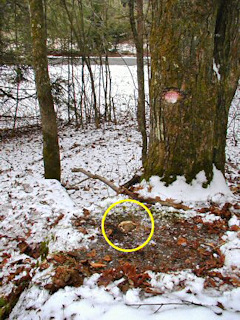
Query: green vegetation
x,y
44,249
105,23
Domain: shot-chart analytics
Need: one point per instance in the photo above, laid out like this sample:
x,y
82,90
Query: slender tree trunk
x,y
138,33
195,71
79,33
51,155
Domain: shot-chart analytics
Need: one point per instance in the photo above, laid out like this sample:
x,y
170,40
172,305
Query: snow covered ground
x,y
36,211
20,100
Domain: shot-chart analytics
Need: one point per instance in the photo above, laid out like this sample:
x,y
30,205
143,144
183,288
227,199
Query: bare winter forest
x,y
119,159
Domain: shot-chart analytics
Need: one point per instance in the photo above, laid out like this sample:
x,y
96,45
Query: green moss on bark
x,y
189,136
51,156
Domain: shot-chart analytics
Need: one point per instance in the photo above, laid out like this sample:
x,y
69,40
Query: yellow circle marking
x,y
113,245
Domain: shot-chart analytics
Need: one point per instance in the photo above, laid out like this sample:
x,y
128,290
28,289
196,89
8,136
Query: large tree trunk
x,y
195,71
48,117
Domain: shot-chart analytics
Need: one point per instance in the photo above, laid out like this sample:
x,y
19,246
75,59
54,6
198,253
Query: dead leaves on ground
x,y
216,227
70,268
217,279
131,278
107,258
56,221
20,274
70,271
215,259
65,276
97,265
182,241
33,251
82,224
223,212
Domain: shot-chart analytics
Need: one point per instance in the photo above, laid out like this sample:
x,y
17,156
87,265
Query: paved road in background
x,y
116,61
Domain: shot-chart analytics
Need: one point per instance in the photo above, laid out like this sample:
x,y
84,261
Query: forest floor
x,y
55,262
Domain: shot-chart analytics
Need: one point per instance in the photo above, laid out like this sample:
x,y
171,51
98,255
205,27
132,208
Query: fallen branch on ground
x,y
183,303
96,176
132,195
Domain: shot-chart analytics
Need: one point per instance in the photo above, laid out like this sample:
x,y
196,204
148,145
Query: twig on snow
x,y
132,195
96,176
183,303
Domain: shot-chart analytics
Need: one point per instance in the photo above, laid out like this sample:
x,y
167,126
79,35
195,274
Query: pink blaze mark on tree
x,y
172,96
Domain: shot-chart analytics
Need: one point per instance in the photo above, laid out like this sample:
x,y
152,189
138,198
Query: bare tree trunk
x,y
195,71
79,33
138,33
51,155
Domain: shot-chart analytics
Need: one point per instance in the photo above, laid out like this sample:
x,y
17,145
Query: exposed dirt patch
x,y
177,244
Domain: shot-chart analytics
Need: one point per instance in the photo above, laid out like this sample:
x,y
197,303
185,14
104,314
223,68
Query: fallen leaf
x,y
203,210
109,232
85,261
107,258
109,275
124,286
153,291
86,212
23,246
92,254
97,265
182,241
82,230
59,258
65,276
220,305
34,251
73,254
234,228
149,188
235,282
44,266
210,282
55,222
128,269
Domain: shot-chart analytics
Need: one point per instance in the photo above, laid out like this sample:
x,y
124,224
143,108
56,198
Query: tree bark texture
x,y
51,155
138,35
195,71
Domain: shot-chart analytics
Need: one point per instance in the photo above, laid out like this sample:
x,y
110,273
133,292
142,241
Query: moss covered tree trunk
x,y
51,155
195,70
138,35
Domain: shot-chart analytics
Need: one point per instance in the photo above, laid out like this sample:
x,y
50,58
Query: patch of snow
x,y
216,69
126,47
88,303
31,205
181,191
231,249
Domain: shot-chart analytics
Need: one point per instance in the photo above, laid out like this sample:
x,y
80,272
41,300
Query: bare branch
x,y
96,176
183,303
132,195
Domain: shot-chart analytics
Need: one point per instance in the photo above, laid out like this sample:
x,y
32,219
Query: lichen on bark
x,y
51,156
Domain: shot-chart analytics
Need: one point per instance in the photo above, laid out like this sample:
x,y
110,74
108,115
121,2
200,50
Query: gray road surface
x,y
117,61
